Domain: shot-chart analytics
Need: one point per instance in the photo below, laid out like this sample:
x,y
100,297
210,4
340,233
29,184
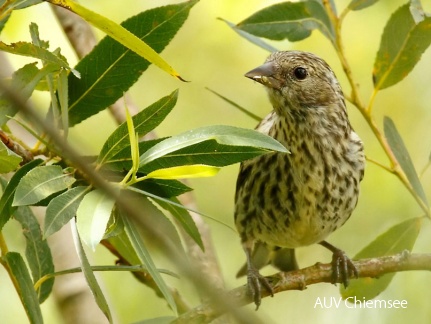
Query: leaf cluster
x,y
146,170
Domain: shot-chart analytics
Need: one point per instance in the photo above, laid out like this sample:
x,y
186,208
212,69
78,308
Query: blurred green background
x,y
209,54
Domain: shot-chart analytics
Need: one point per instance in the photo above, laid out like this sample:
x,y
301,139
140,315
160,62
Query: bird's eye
x,y
300,73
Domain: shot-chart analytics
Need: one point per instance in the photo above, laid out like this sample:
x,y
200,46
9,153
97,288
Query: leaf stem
x,y
134,268
337,22
366,111
379,164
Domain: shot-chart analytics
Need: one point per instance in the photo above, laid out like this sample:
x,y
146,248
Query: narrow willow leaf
x,y
62,209
90,277
211,136
107,77
289,20
361,4
6,199
146,260
40,183
253,39
37,251
24,286
144,121
401,47
163,188
63,99
134,145
119,33
31,50
184,172
24,81
120,158
9,160
157,218
403,157
242,109
93,215
397,239
183,217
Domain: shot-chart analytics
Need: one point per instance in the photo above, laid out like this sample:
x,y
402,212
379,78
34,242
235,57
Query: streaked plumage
x,y
298,199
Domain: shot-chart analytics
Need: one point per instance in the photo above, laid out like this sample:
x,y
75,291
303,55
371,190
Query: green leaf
x,y
134,145
184,218
24,81
218,145
93,215
397,239
163,188
24,286
119,33
242,109
146,260
90,277
401,47
6,199
9,160
121,159
184,172
62,209
122,243
145,121
403,157
31,50
106,77
361,4
252,39
37,251
63,99
289,20
40,183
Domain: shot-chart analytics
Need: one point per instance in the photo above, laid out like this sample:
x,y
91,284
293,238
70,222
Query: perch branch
x,y
300,279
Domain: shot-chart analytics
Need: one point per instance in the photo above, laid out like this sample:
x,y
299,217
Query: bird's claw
x,y
255,281
342,268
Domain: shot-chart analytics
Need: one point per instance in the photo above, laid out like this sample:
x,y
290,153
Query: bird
x,y
288,200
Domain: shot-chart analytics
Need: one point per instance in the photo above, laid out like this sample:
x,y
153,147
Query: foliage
x,y
150,170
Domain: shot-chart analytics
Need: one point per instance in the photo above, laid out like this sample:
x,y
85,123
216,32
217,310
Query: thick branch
x,y
300,279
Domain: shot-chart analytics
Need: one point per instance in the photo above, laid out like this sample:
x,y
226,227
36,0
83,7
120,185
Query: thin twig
x,y
366,111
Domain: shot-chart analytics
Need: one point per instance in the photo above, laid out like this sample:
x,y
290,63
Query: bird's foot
x,y
255,281
342,266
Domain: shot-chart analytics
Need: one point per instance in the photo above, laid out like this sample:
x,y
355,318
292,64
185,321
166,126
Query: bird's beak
x,y
265,74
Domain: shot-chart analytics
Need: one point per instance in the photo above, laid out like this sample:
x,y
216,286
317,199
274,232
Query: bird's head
x,y
298,80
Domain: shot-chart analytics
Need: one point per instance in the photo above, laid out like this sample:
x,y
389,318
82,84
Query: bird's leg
x,y
255,280
342,266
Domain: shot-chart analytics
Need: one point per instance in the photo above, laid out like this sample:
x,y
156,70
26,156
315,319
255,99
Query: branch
x,y
300,279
